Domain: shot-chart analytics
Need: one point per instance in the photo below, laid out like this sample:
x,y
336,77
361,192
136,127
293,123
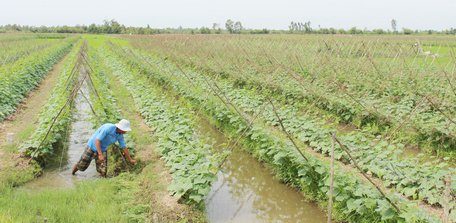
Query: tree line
x,y
231,27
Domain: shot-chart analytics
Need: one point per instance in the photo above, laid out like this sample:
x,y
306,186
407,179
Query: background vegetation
x,y
230,26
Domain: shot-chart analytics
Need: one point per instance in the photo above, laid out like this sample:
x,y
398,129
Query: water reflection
x,y
58,173
246,191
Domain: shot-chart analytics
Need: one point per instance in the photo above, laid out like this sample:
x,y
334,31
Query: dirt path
x,y
155,177
23,121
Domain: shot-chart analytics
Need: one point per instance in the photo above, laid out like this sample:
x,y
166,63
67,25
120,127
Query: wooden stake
x,y
446,199
331,179
343,147
286,132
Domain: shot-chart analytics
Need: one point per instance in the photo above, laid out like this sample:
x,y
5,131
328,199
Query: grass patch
x,y
125,198
12,176
103,200
20,137
16,171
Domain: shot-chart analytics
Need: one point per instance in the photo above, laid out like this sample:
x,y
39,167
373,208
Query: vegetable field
x,y
363,127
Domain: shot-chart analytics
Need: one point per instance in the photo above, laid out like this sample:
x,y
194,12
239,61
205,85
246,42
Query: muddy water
x,y
246,191
58,174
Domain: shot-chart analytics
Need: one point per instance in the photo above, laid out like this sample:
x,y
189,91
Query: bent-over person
x,y
98,143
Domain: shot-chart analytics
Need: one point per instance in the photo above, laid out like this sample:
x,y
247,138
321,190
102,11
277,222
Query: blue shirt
x,y
107,135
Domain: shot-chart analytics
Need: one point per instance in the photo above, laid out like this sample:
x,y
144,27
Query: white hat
x,y
124,125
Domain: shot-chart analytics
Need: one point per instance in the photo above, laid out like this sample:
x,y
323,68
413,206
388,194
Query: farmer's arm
x,y
100,136
98,145
123,146
127,154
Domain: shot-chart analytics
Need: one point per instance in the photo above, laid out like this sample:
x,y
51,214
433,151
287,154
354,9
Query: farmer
x,y
105,136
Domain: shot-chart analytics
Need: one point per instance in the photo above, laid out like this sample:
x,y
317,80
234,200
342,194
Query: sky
x,y
277,14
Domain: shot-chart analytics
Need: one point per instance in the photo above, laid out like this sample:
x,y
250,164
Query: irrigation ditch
x,y
239,168
246,191
180,81
57,168
57,173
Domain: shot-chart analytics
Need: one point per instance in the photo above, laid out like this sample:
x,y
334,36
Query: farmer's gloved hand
x,y
132,161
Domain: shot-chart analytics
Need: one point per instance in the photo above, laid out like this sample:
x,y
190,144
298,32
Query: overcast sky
x,y
276,14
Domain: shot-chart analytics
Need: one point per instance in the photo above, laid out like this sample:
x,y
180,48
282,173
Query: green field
x,y
390,100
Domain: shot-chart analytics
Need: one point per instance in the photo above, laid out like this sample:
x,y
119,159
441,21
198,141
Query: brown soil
x,y
165,206
26,116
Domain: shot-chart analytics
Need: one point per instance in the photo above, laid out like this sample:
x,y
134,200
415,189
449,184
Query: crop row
x,y
364,109
422,181
100,94
377,157
21,77
407,176
188,157
330,85
321,61
55,119
103,103
407,113
355,201
13,52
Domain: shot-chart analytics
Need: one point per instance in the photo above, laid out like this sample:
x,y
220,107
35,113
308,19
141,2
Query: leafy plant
x,y
44,139
19,78
356,201
188,157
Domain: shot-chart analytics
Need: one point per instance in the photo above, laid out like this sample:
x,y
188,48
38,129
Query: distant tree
x,y
378,31
216,28
342,31
180,29
450,31
323,31
115,27
300,27
205,30
43,29
307,27
260,31
355,30
291,27
229,25
111,27
16,27
394,25
148,30
238,27
106,27
407,31
92,28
